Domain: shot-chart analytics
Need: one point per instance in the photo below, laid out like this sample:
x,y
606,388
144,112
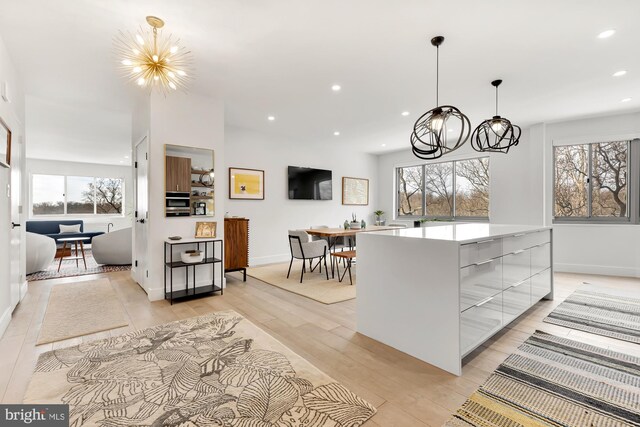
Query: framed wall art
x,y
206,229
355,191
246,184
5,145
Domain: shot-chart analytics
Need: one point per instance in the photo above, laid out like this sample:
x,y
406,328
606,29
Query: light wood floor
x,y
406,391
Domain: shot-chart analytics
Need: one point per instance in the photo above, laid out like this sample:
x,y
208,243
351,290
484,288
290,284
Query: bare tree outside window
x,y
108,195
439,186
609,179
472,187
445,189
571,173
410,185
591,180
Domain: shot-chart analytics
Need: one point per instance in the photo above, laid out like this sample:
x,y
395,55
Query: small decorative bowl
x,y
192,257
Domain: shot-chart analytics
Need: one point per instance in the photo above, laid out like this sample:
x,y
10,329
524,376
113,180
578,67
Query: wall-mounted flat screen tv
x,y
309,184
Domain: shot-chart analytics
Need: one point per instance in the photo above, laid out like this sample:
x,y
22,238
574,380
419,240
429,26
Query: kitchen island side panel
x,y
408,296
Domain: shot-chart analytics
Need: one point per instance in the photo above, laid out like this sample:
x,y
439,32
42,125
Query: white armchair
x,y
303,248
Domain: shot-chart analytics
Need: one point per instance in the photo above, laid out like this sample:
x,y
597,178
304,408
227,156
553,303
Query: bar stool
x,y
348,256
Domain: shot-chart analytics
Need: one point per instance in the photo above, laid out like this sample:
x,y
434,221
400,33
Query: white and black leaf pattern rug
x,y
217,370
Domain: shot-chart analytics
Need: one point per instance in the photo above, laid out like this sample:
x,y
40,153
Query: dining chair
x,y
302,247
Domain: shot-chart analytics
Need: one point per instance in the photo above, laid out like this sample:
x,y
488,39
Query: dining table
x,y
332,235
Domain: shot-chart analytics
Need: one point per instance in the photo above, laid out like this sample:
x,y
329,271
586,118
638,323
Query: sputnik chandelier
x,y
430,139
154,61
495,135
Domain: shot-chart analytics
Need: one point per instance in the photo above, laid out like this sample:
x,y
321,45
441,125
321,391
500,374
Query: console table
x,y
439,292
213,253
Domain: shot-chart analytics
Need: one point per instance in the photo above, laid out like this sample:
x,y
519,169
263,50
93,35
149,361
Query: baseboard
x,y
604,270
5,319
271,259
23,290
157,294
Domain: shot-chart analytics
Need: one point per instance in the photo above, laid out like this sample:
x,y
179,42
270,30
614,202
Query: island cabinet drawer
x,y
479,322
524,241
516,300
478,282
540,257
540,285
478,252
516,267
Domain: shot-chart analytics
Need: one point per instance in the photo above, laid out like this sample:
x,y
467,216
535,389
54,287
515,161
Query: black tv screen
x,y
309,184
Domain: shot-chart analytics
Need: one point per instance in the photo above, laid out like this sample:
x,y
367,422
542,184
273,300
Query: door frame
x,y
139,276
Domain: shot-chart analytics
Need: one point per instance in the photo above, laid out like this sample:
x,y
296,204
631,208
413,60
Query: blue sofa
x,y
52,229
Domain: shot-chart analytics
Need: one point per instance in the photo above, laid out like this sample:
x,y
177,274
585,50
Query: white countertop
x,y
461,232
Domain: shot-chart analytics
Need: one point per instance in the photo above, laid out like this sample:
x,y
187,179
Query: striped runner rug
x,y
599,313
553,381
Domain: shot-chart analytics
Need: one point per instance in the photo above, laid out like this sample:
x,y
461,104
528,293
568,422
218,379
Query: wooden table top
x,y
337,232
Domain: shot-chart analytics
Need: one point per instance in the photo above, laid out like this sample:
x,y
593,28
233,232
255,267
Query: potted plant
x,y
354,224
378,214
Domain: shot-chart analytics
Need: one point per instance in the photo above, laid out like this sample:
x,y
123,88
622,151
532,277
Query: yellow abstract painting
x,y
246,184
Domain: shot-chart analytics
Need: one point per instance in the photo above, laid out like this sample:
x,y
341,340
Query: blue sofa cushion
x,y
52,229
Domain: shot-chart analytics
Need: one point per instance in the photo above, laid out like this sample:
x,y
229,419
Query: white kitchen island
x,y
438,292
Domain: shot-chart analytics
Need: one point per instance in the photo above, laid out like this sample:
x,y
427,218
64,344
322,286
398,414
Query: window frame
x,y
65,214
453,217
633,179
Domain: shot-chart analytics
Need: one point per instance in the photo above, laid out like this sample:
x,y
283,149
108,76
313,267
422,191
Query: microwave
x,y
177,203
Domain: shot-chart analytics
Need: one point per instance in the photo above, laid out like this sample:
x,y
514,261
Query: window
x,y
458,189
591,181
76,195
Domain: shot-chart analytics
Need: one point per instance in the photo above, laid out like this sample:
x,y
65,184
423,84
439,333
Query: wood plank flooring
x,y
406,391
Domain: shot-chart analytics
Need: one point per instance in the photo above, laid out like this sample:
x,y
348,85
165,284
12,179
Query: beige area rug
x,y
314,285
213,370
82,308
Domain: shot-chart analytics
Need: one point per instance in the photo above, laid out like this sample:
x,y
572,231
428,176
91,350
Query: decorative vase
x,y
355,225
346,225
363,224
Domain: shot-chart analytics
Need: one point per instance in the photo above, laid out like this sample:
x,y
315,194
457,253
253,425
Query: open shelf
x,y
177,264
192,292
197,184
198,171
202,197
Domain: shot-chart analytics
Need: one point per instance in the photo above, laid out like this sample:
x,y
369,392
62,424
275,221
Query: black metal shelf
x,y
193,292
178,264
210,258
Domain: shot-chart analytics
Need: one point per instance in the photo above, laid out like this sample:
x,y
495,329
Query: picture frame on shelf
x,y
5,145
206,229
246,184
355,191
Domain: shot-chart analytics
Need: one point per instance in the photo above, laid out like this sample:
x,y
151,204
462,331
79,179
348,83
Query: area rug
x,y
82,308
553,381
69,268
214,370
314,285
615,316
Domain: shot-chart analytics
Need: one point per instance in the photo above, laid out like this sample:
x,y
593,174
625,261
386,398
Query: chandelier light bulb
x,y
496,125
436,123
153,59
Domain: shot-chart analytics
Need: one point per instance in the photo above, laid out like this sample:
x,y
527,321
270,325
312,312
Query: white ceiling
x,y
281,57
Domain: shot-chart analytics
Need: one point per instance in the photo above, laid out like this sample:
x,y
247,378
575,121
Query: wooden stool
x,y
348,256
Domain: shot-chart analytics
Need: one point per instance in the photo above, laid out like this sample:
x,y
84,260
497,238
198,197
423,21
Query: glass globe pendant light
x,y
495,135
430,138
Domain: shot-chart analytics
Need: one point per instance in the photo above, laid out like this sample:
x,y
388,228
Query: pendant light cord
x,y
437,74
496,100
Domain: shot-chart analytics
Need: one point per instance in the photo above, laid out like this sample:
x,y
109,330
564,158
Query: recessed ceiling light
x,y
121,161
405,113
449,130
620,73
606,34
336,133
625,100
126,157
336,88
271,118
383,145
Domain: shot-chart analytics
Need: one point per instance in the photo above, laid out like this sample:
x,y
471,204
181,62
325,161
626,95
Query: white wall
x,y
592,248
12,113
179,119
270,219
91,222
513,177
